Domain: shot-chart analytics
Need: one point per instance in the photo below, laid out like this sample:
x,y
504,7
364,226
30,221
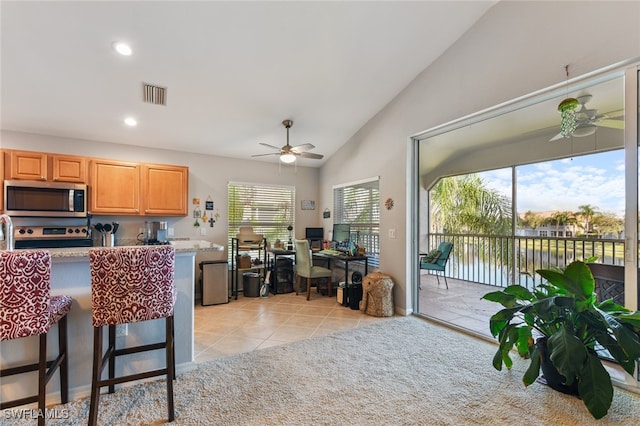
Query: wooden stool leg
x,y
170,367
297,284
64,365
95,378
308,288
42,379
173,350
112,355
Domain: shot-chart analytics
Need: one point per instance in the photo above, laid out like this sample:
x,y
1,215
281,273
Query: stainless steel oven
x,y
44,199
52,236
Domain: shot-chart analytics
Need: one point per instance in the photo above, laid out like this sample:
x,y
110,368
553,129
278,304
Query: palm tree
x,y
531,219
563,218
463,204
586,212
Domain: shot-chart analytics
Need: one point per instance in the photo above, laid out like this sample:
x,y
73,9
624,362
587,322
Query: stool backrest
x,y
131,284
25,285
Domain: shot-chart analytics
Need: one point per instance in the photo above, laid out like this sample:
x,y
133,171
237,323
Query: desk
x,y
318,255
346,259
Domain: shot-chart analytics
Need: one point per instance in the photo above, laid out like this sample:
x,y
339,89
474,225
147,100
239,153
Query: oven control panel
x,y
50,232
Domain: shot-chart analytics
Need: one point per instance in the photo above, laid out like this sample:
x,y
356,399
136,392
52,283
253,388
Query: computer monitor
x,y
315,236
341,232
314,233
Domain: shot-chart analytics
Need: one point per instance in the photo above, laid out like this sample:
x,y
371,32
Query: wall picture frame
x,y
308,205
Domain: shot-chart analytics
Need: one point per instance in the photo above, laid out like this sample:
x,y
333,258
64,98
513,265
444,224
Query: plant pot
x,y
551,375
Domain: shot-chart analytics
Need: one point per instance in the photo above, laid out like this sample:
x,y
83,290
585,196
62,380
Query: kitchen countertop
x,y
84,251
182,247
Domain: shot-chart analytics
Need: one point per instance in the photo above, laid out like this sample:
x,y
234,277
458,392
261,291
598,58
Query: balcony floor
x,y
460,305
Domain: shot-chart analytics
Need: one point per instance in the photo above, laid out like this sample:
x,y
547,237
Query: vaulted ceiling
x,y
233,71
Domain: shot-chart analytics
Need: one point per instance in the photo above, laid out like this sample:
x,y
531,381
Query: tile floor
x,y
251,323
460,305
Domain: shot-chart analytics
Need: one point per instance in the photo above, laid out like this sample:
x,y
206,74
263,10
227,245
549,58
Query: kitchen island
x,y
70,276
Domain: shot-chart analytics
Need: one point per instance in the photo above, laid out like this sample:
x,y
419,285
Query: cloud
x,y
596,179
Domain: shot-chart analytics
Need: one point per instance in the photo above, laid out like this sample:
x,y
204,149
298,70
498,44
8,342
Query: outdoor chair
x,y
436,260
609,282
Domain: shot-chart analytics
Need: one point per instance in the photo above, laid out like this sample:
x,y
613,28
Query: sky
x,y
595,179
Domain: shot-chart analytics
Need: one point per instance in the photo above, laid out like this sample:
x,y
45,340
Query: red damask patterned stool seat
x,y
130,284
28,309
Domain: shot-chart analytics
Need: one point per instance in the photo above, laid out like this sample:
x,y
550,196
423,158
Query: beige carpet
x,y
399,371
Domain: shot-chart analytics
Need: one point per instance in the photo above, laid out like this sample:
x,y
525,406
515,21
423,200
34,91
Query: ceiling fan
x,y
588,120
289,153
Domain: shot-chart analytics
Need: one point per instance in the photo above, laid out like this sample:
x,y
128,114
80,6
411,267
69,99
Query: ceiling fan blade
x,y
556,137
269,146
619,114
310,155
612,124
262,155
303,147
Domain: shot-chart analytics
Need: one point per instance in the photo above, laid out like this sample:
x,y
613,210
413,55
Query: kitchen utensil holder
x,y
108,239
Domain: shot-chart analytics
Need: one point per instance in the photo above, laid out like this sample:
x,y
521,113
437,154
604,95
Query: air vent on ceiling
x,y
153,94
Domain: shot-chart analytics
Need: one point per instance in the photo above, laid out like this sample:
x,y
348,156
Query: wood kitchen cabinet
x,y
164,190
114,187
118,187
41,166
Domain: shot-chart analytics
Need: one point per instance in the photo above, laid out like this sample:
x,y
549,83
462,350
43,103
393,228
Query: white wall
x,y
208,176
516,48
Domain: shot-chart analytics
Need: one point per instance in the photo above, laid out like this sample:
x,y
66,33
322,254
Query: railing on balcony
x,y
504,260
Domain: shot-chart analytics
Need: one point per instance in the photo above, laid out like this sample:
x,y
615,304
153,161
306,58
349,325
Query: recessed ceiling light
x,y
130,121
122,48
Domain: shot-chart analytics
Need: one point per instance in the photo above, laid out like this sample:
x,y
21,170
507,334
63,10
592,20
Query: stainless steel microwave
x,y
45,199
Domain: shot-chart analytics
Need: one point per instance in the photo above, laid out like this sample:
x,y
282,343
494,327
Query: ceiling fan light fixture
x,y
586,130
288,158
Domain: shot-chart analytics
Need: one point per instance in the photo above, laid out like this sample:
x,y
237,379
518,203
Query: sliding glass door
x,y
515,194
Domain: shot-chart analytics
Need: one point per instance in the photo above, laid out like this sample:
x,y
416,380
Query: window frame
x,y
270,226
367,233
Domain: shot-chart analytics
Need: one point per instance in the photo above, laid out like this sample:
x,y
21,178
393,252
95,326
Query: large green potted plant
x,y
560,325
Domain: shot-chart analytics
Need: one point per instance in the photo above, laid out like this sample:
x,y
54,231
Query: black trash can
x,y
354,295
251,284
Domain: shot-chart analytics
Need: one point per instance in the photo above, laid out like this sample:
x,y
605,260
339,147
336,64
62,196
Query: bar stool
x,y
130,284
27,309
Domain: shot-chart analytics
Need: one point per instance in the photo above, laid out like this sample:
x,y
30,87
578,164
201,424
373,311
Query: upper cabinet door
x,y
30,165
27,165
68,168
114,187
165,190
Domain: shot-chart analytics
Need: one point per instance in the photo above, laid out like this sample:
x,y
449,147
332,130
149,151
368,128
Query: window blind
x,y
358,204
269,209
